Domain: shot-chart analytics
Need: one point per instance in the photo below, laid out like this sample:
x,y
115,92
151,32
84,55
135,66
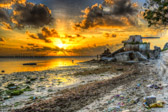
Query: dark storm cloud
x,y
120,7
29,14
20,13
110,13
42,49
45,34
4,16
72,7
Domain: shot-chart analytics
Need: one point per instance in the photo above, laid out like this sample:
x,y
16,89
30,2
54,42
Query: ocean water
x,y
11,65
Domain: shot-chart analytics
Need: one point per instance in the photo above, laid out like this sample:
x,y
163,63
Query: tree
x,y
156,12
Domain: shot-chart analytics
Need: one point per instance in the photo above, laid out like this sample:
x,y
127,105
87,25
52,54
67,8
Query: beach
x,y
93,89
41,85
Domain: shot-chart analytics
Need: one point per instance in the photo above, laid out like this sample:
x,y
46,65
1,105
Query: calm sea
x,y
10,65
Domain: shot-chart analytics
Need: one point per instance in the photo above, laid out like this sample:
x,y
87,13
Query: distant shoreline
x,y
150,37
46,56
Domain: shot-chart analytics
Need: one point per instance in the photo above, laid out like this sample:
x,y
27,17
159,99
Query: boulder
x,y
166,46
107,59
144,47
154,54
130,56
140,56
106,53
157,51
124,56
134,39
151,54
131,47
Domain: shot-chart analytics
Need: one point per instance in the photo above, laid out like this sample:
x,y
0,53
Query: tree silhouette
x,y
156,12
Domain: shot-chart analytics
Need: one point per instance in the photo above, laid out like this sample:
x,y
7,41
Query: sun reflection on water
x,y
16,65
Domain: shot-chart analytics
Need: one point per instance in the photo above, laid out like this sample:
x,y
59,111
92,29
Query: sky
x,y
70,27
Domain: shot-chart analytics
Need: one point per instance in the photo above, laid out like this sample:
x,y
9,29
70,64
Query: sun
x,y
59,44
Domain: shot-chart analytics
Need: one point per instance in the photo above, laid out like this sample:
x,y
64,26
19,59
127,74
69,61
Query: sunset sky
x,y
70,27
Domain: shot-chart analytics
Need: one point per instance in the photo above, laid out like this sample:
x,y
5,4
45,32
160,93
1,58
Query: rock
x,y
157,51
28,82
151,55
144,47
130,62
130,55
107,59
165,46
134,39
11,85
120,69
33,79
134,50
106,53
124,56
154,54
140,56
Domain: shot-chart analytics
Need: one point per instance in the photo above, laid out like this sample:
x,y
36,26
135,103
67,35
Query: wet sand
x,y
107,87
74,99
44,84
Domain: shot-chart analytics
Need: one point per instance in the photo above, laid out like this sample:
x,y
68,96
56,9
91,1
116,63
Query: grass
x,y
164,49
15,92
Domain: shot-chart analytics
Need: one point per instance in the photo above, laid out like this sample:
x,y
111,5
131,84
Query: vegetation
x,y
164,49
156,12
9,93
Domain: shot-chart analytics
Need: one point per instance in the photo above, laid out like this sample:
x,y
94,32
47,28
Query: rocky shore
x,y
74,99
25,88
124,92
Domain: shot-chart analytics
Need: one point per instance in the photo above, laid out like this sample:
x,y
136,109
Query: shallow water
x,y
11,65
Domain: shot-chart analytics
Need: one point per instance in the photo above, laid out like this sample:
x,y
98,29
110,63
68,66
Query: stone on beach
x,y
165,46
106,53
130,55
134,38
134,50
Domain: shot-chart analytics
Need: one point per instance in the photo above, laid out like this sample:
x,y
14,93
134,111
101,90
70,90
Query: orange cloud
x,y
8,3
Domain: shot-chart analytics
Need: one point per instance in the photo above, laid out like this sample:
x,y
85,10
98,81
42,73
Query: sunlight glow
x,y
59,43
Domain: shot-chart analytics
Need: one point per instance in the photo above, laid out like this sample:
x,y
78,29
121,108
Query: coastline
x,y
45,84
97,95
74,99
